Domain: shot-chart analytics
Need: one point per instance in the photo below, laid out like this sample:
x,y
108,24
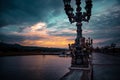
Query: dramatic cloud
x,y
37,35
28,11
44,23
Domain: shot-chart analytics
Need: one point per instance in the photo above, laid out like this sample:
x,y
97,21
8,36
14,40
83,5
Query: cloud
x,y
44,23
106,41
11,38
106,25
107,18
100,40
27,11
37,35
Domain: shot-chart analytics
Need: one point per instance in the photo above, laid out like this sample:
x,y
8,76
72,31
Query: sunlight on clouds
x,y
39,35
38,26
36,30
45,40
52,41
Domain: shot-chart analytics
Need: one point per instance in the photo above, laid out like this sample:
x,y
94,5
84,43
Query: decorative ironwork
x,y
78,17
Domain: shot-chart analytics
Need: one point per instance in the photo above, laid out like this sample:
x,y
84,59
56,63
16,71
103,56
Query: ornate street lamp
x,y
78,17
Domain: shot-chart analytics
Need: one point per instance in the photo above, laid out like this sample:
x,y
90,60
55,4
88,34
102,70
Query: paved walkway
x,y
72,75
106,67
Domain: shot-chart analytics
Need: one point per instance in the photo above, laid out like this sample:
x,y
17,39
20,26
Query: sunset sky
x,y
44,23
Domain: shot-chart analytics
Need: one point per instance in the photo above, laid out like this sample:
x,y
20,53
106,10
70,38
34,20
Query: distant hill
x,y
5,47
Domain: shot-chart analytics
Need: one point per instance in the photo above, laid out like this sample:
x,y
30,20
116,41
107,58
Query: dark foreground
x,y
53,67
106,67
34,67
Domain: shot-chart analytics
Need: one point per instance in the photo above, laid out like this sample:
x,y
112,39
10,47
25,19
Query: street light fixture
x,y
78,17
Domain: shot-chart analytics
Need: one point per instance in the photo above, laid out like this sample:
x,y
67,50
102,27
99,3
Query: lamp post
x,y
78,17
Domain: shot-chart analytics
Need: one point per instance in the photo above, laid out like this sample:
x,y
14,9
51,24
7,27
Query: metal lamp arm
x,y
69,10
88,7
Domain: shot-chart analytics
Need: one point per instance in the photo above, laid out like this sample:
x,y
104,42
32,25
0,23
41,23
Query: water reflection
x,y
38,67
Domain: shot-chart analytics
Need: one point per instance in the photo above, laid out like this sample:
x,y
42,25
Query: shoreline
x,y
3,54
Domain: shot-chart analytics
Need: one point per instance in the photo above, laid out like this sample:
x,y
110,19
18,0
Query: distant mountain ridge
x,y
17,47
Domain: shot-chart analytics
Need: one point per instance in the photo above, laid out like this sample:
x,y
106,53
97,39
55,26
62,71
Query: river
x,y
53,67
34,67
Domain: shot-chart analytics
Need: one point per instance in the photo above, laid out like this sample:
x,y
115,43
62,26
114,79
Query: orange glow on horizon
x,y
38,35
56,42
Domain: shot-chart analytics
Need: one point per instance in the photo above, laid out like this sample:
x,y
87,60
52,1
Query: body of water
x,y
34,67
53,67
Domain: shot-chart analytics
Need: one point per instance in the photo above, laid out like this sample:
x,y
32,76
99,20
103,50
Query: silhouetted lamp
x,y
78,17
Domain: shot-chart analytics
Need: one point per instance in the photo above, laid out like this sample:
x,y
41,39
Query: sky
x,y
44,23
